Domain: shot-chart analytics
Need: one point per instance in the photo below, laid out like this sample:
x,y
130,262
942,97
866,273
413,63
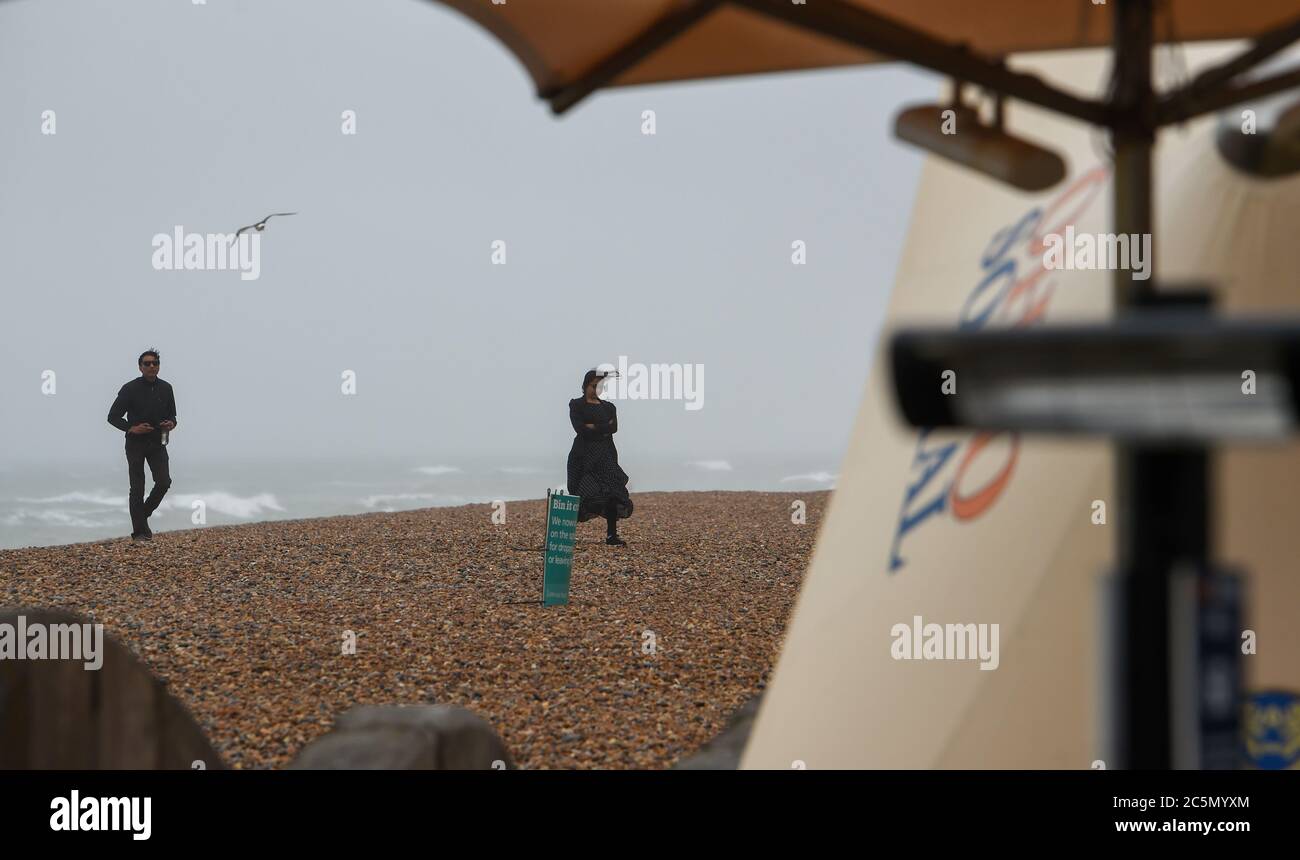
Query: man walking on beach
x,y
150,410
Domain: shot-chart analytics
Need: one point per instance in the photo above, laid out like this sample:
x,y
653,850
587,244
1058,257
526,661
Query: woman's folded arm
x,y
579,426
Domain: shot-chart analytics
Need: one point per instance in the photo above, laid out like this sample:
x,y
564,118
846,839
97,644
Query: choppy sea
x,y
48,506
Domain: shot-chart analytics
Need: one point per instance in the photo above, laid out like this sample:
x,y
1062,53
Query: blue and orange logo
x,y
1014,289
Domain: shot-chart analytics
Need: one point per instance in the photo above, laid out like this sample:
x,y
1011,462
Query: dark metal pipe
x,y
1152,486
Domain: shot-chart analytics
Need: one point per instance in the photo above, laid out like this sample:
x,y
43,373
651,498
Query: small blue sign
x,y
1271,730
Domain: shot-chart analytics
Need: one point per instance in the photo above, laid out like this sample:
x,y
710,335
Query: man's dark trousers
x,y
142,448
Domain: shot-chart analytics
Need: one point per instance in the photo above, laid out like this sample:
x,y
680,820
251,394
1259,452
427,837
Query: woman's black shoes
x,y
615,540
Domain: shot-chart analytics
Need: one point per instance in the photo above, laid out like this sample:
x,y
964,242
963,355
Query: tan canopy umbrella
x,y
573,47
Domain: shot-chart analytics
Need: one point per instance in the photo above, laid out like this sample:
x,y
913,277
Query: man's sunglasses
x,y
148,364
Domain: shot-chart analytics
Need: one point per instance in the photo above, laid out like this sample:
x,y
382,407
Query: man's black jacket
x,y
141,400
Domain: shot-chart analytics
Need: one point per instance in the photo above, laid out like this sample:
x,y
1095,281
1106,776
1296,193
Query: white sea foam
x,y
242,507
72,519
814,477
387,501
90,497
711,465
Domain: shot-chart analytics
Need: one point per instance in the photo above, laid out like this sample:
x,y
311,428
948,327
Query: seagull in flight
x,y
260,225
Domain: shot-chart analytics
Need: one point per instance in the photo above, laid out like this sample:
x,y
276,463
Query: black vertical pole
x,y
1162,494
1133,135
1139,691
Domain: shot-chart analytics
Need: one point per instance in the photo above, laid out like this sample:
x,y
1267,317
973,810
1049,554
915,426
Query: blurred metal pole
x,y
1139,698
1133,135
1162,494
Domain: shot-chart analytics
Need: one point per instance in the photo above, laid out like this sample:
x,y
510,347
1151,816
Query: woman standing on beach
x,y
594,473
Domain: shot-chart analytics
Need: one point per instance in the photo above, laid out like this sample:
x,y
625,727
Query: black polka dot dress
x,y
594,473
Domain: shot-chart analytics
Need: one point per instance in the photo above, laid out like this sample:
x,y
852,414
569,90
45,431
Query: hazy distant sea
x,y
44,507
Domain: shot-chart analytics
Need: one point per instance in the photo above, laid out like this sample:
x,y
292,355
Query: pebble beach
x,y
248,625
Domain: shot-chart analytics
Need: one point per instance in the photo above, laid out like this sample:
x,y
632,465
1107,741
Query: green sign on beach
x,y
561,531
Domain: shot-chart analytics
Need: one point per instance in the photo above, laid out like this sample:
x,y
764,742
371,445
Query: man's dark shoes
x,y
141,536
615,540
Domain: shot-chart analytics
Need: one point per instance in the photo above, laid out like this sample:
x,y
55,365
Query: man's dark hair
x,y
153,352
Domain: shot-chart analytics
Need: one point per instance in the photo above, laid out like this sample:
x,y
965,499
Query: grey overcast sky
x,y
672,248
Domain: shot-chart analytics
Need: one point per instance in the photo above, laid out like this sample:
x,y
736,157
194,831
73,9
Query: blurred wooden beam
x,y
630,53
1180,106
855,25
1212,86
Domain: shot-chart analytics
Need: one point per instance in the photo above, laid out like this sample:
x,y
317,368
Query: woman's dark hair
x,y
153,352
586,380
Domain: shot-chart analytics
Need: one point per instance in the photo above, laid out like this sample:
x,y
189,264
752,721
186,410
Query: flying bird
x,y
260,225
